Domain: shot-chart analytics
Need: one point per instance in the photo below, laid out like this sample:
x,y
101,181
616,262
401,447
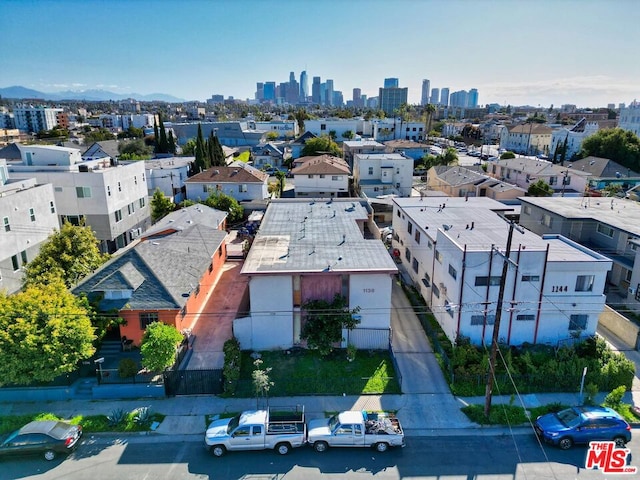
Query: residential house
x,y
527,138
275,154
103,149
351,148
338,126
523,171
169,176
167,277
408,148
574,136
299,143
453,129
606,172
457,181
313,250
28,215
454,252
284,128
321,176
610,226
394,128
109,198
376,174
238,180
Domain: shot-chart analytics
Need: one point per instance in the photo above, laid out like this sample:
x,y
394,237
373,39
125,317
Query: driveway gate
x,y
193,382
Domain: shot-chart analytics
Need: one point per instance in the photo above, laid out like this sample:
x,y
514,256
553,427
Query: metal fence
x,y
369,338
111,376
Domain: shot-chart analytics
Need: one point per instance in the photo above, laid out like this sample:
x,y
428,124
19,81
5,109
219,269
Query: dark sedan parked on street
x,y
47,438
583,425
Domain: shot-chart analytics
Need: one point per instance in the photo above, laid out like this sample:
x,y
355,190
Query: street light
x,y
496,323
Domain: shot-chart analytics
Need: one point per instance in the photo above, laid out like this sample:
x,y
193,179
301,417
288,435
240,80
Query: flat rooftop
x,y
320,235
475,223
620,213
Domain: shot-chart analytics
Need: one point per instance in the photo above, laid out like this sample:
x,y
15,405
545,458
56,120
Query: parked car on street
x,y
278,429
47,438
583,424
356,429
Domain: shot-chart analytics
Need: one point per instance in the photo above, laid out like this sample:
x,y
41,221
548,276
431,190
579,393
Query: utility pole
x,y
496,323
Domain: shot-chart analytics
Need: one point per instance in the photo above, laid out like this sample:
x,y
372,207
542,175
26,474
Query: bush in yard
x,y
142,415
325,321
232,363
127,368
159,346
614,399
116,417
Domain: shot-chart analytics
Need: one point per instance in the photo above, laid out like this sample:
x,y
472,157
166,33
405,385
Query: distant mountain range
x,y
18,92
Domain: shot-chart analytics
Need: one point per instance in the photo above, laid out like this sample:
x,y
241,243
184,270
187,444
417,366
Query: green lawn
x,y
304,372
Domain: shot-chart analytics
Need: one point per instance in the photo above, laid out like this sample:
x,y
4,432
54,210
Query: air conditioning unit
x,y
632,290
135,233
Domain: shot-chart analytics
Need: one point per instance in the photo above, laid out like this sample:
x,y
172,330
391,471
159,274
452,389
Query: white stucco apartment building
x,y
378,174
111,199
28,216
453,250
310,250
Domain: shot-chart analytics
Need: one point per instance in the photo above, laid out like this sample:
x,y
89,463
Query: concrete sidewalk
x,y
421,414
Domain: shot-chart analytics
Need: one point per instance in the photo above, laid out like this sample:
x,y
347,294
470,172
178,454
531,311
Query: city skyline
x,y
516,53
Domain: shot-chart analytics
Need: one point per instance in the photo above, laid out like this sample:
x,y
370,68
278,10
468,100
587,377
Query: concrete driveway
x,y
215,323
418,365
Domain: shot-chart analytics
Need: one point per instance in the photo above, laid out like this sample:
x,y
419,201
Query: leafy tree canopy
x,y
448,157
160,205
271,136
540,189
134,150
619,145
507,155
320,145
158,347
69,254
325,321
226,203
189,148
44,332
98,136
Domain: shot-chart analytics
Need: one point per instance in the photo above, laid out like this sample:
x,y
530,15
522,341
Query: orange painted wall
x,y
173,317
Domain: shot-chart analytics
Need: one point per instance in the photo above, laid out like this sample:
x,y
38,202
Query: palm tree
x,y
429,110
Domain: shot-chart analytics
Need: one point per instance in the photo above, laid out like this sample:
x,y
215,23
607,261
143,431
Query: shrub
x,y
142,415
232,363
116,417
127,368
614,399
590,397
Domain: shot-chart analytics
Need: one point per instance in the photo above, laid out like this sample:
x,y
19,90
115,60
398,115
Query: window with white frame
x,y
118,215
52,207
409,227
584,283
370,170
147,318
142,202
32,214
547,220
453,272
7,224
438,256
242,187
605,230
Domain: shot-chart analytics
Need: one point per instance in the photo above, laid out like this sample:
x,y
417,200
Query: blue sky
x,y
513,51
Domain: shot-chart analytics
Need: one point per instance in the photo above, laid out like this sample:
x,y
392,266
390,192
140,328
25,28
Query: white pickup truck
x,y
356,429
279,429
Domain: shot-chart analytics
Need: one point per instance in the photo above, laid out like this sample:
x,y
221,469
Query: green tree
x,y
448,157
348,135
429,111
320,145
172,143
507,155
301,116
200,153
226,203
540,189
325,321
189,148
281,182
134,150
44,332
218,158
158,346
163,142
160,205
70,254
619,145
99,135
261,381
272,136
